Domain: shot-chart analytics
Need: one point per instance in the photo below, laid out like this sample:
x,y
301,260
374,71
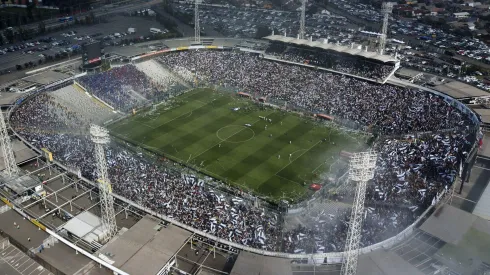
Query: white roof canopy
x,y
333,47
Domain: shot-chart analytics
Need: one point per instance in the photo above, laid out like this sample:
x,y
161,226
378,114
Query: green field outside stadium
x,y
224,136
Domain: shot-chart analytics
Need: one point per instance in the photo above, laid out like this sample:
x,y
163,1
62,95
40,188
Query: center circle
x,y
235,134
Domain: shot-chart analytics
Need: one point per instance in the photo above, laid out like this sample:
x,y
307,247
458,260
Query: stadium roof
x,y
20,184
22,153
484,114
252,264
482,208
449,224
466,236
145,248
86,226
128,51
460,90
7,99
382,262
333,47
46,77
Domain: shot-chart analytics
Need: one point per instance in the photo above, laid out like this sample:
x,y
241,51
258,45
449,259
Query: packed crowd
x,y
410,172
74,99
129,86
161,78
386,108
332,60
328,232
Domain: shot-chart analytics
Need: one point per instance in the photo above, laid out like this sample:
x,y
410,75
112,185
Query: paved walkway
x,y
15,262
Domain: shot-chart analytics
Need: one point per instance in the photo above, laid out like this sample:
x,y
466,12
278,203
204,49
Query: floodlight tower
x,y
385,10
100,137
11,168
302,21
197,29
361,170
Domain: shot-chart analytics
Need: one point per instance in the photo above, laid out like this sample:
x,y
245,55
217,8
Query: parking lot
x,y
56,43
15,262
244,22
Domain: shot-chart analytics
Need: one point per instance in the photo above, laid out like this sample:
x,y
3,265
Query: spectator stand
x,y
330,54
219,67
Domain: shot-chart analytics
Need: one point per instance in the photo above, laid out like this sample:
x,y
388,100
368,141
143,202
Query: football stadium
x,y
229,137
246,153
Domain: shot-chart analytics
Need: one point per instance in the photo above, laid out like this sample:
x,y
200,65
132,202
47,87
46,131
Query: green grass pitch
x,y
275,159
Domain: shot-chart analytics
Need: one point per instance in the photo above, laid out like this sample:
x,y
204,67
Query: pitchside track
x,y
209,131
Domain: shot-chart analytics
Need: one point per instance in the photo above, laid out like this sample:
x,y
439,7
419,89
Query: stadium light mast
x,y
302,20
361,170
100,137
385,10
197,29
11,168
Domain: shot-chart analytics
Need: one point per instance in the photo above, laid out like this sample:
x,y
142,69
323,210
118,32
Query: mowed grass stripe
x,y
325,152
137,126
247,156
263,156
237,151
135,123
173,130
191,103
201,132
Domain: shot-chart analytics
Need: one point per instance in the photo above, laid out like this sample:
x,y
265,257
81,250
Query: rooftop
x,y
253,264
46,77
460,90
484,114
21,152
145,248
9,98
333,47
20,184
86,226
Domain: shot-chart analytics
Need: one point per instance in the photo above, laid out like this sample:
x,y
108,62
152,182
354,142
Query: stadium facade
x,y
234,45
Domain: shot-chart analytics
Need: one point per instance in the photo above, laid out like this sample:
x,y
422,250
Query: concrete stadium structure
x,y
159,244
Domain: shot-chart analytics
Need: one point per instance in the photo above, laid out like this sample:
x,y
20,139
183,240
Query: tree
x,y
1,39
312,10
23,34
41,27
146,13
39,15
439,5
9,34
18,67
29,9
262,31
92,17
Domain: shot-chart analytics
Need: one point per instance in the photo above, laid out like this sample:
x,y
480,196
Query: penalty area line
x,y
224,140
186,113
288,179
321,164
298,157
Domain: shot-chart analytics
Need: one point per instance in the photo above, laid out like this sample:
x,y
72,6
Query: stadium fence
x,y
334,257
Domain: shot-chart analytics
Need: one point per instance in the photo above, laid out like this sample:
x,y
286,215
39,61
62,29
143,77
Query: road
x,y
102,11
117,23
183,28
